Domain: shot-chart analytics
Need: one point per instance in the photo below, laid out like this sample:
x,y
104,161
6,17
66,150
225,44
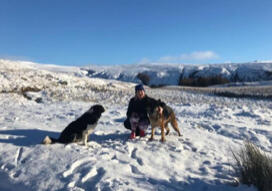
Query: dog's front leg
x,y
85,138
152,133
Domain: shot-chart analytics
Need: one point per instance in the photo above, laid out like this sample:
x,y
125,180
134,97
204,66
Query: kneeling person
x,y
137,119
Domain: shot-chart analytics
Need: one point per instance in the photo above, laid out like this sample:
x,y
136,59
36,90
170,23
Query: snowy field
x,y
36,102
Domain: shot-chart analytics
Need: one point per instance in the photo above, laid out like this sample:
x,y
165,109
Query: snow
x,y
201,159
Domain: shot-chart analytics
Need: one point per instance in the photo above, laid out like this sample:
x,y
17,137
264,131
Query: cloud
x,y
194,56
144,61
199,55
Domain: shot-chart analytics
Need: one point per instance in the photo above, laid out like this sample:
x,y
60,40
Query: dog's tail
x,y
174,123
49,140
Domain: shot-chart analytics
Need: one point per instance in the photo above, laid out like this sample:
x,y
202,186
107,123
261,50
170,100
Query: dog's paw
x,y
163,140
151,139
47,141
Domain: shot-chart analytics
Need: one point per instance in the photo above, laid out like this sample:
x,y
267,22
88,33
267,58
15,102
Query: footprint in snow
x,y
74,166
135,170
120,120
87,181
93,172
138,159
115,113
189,146
91,179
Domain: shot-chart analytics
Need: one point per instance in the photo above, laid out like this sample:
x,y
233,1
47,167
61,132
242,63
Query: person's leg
x,y
143,125
137,131
134,122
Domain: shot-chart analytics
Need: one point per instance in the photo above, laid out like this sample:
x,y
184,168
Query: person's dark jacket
x,y
137,106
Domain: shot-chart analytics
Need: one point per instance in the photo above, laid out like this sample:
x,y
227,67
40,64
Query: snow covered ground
x,y
36,102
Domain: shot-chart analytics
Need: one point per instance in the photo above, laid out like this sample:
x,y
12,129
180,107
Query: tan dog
x,y
161,118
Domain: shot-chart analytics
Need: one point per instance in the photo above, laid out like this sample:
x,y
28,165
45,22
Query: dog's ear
x,y
161,103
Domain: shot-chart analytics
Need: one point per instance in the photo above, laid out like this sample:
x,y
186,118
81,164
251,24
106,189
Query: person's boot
x,y
132,135
142,133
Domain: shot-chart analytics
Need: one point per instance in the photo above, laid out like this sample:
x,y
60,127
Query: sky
x,y
116,32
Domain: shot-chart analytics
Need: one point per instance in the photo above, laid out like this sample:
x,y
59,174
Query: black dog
x,y
80,129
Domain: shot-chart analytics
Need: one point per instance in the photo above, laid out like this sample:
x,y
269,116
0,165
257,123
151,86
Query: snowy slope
x,y
199,160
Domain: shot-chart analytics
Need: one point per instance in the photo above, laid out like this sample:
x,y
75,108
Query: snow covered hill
x,y
163,74
36,102
169,74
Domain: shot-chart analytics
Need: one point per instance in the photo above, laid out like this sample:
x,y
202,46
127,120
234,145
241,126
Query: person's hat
x,y
139,87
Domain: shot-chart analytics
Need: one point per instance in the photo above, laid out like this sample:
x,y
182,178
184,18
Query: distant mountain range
x,y
171,74
164,74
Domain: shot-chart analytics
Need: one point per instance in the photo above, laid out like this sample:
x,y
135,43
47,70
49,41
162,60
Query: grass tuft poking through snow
x,y
254,167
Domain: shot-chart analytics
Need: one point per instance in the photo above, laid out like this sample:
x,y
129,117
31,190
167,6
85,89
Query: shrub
x,y
157,86
29,89
253,167
202,81
144,78
187,82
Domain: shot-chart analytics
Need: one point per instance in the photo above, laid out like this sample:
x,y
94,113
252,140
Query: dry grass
x,y
255,92
253,167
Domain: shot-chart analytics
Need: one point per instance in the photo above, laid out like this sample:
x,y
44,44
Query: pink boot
x,y
142,133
